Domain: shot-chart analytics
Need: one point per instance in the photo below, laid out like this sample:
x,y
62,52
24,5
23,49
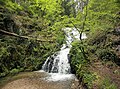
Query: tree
x,y
101,14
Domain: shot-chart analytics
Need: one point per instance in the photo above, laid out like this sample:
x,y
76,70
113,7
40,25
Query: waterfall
x,y
80,4
59,61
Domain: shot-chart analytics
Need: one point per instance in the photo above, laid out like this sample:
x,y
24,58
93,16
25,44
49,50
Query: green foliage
x,y
79,65
12,7
101,45
106,55
106,84
22,56
100,15
78,62
69,8
15,71
77,57
35,19
89,78
100,21
44,19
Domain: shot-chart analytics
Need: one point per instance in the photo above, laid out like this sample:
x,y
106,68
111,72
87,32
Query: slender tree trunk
x,y
83,26
81,32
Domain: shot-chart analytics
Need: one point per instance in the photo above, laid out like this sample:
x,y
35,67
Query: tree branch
x,y
24,37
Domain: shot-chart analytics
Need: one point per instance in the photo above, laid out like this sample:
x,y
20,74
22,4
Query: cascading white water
x,y
58,63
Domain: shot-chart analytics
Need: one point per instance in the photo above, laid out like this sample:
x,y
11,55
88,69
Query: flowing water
x,y
57,65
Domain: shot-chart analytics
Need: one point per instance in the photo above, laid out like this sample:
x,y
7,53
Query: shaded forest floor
x,y
105,71
107,66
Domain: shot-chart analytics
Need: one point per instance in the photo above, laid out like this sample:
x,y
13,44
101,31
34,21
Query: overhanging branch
x,y
24,37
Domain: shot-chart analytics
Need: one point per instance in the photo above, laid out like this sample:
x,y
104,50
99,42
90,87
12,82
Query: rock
x,y
75,84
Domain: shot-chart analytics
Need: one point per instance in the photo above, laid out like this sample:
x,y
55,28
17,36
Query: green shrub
x,y
2,74
14,71
88,79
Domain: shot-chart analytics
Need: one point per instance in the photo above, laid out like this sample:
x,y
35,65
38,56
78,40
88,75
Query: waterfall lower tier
x,y
59,61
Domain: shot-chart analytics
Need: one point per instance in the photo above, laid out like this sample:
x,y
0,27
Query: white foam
x,y
60,77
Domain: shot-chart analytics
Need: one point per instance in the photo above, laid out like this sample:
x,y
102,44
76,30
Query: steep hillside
x,y
26,38
96,60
